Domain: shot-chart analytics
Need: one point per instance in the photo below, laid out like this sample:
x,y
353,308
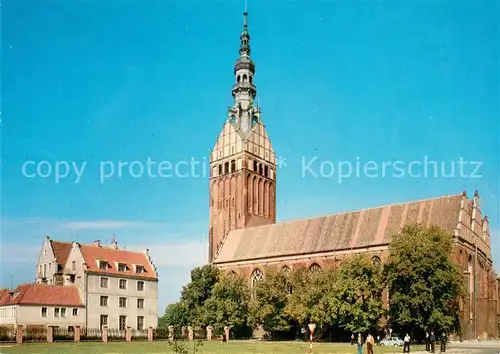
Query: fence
x,y
7,334
77,334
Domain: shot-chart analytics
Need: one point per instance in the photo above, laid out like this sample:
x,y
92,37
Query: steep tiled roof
x,y
43,294
363,228
61,251
4,293
94,254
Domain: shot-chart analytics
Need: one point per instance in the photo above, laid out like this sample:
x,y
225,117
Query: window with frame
x,y
122,267
122,302
140,286
104,282
13,311
140,323
122,321
139,269
104,301
103,320
123,284
75,312
44,312
56,312
63,312
103,265
140,303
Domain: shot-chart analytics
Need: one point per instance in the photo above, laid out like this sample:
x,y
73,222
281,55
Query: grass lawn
x,y
232,347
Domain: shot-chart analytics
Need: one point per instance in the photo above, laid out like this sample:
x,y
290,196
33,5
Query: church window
x,y
238,78
244,77
257,276
226,167
376,261
286,269
260,169
314,268
255,166
220,169
233,165
266,171
250,78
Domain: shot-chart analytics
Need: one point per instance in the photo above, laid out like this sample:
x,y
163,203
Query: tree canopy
x,y
419,276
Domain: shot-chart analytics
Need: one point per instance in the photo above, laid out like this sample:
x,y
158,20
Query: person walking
x,y
427,342
433,342
406,348
370,341
352,339
360,344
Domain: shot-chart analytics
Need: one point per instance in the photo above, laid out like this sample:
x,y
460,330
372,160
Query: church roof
x,y
350,230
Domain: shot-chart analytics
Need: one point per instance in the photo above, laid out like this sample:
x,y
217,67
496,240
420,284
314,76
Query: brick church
x,y
244,237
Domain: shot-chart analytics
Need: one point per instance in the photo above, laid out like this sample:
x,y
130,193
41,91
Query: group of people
x,y
430,343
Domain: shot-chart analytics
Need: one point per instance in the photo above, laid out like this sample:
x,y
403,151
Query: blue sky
x,y
93,81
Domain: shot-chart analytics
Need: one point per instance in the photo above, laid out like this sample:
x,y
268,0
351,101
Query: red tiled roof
x,y
94,254
4,293
43,294
61,251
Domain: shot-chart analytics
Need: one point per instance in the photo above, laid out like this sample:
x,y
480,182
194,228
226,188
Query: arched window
x,y
376,261
238,78
314,268
255,165
266,171
226,167
250,78
245,77
257,276
260,169
220,169
233,274
233,165
289,287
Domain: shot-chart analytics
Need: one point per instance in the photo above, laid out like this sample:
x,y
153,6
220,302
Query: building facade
x,y
42,305
118,288
244,237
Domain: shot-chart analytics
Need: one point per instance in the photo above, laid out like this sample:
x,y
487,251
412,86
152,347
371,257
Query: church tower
x,y
242,162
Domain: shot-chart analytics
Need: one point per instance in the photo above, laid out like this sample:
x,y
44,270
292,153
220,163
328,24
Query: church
x,y
244,237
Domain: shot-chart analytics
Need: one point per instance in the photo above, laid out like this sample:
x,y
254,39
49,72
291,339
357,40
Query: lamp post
x,y
311,326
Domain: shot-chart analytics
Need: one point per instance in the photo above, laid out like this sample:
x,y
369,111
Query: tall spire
x,y
245,38
243,113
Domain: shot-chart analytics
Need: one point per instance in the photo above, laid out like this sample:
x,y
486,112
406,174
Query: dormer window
x,y
103,265
122,267
139,269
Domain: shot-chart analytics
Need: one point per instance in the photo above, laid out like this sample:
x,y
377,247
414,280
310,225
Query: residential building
x,y
244,237
119,288
42,304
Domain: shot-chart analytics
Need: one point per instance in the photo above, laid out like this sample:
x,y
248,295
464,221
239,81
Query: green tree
x,y
424,283
175,315
188,311
228,303
268,304
354,302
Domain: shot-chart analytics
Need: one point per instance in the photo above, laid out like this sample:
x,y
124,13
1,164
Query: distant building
x,y
41,304
114,287
244,237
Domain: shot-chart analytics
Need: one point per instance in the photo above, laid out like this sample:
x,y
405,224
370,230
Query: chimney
x,y
114,243
97,243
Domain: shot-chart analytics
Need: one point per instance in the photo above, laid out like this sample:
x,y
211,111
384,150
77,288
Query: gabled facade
x,y
51,261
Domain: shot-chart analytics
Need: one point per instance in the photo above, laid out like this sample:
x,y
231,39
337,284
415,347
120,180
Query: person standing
x,y
406,348
352,339
443,342
433,342
427,342
378,340
360,344
370,341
